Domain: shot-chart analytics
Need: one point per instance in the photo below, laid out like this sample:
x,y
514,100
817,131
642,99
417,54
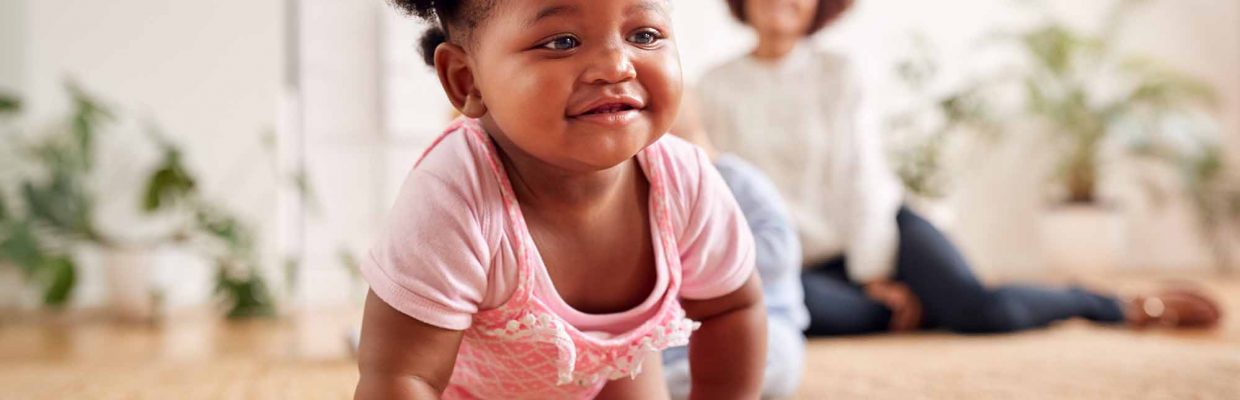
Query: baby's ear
x,y
457,79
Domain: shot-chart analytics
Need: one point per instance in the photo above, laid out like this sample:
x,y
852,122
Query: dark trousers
x,y
951,297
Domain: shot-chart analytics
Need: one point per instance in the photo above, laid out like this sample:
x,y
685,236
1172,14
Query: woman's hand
x,y
904,304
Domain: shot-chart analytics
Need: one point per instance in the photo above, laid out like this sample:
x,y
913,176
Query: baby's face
x,y
582,85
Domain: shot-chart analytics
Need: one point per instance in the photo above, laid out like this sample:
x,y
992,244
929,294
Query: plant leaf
x,y
61,278
88,113
349,262
226,229
62,204
247,296
9,104
20,247
4,209
168,184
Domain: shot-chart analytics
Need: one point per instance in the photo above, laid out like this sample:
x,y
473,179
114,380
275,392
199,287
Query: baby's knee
x,y
781,388
785,361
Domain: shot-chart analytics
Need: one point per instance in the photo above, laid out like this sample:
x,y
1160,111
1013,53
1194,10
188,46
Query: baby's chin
x,y
603,154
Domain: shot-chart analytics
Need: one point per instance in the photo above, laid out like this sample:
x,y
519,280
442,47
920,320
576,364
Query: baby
x,y
552,241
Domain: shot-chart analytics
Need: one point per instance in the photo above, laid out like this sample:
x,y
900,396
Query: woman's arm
x,y
728,353
402,358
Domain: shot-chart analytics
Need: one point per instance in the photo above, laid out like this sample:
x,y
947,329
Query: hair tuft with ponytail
x,y
451,21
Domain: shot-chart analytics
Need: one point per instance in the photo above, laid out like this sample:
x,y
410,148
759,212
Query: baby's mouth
x,y
618,104
609,108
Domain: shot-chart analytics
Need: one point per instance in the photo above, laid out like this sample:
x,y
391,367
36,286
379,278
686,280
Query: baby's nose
x,y
610,64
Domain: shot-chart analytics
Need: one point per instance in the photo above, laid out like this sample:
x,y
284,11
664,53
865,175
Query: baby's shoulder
x,y
454,173
455,154
685,171
682,161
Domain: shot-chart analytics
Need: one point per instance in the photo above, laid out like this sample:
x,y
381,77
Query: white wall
x,y
210,73
341,82
12,40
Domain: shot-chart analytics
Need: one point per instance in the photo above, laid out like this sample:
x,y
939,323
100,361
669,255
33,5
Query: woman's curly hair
x,y
827,12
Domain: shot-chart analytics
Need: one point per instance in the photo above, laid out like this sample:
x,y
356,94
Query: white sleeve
x,y
875,194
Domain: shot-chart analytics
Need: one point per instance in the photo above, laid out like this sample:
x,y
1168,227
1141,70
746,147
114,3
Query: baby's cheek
x,y
532,101
661,77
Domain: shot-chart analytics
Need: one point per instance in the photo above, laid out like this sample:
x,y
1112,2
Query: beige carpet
x,y
305,357
1070,360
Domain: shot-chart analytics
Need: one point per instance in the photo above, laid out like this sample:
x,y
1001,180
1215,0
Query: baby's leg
x,y
785,359
648,385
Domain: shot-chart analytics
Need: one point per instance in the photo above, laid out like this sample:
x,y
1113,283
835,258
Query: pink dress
x,y
519,341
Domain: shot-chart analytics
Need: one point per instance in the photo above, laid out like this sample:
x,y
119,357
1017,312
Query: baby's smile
x,y
614,110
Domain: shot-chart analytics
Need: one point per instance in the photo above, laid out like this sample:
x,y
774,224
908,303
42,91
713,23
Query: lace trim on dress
x,y
626,361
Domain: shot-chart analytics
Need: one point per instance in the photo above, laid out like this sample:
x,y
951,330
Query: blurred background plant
x,y
52,208
1104,107
939,116
48,209
1091,98
222,236
1091,93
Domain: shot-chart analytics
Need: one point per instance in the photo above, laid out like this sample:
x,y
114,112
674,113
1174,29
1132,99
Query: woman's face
x,y
582,85
780,17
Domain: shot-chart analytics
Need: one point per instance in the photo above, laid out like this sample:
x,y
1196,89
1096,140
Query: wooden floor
x,y
305,356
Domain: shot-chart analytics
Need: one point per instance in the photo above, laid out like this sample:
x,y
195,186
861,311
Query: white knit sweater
x,y
802,121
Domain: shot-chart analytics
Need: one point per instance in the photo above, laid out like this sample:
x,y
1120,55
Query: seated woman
x,y
873,265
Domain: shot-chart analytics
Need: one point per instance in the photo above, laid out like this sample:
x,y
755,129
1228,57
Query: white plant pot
x,y
132,294
1083,238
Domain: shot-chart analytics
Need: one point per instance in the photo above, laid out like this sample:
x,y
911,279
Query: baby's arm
x,y
721,289
728,353
402,358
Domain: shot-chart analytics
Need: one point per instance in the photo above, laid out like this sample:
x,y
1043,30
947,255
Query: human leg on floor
x,y
837,306
953,298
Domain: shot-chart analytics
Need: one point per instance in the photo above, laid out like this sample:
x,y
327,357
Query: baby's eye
x,y
562,43
645,37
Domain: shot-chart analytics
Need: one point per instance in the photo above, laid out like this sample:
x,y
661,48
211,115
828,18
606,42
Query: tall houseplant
x,y
1085,90
1092,98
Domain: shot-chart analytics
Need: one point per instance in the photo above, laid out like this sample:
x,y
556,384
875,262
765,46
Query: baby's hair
x,y
451,21
827,12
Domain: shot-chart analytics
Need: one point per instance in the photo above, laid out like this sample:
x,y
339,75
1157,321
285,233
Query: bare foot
x,y
1174,308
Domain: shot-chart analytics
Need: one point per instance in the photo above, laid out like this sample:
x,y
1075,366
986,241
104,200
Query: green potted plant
x,y
49,212
1096,106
